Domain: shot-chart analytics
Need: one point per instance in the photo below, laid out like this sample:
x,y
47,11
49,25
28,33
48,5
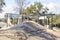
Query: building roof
x,y
11,15
45,16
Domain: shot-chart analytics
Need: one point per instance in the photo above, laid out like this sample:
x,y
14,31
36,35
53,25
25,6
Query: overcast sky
x,y
53,5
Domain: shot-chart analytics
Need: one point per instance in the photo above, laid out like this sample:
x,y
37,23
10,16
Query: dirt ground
x,y
30,33
40,35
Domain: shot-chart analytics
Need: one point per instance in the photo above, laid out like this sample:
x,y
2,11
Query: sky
x,y
53,5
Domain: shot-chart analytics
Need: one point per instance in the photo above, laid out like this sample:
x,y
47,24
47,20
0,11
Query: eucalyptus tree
x,y
33,9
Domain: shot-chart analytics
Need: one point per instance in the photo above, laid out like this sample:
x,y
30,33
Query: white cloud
x,y
51,6
54,7
10,8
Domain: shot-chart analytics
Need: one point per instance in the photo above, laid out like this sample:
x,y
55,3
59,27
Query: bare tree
x,y
21,4
1,4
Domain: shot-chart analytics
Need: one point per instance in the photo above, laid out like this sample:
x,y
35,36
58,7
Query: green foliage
x,y
33,9
14,20
38,5
55,20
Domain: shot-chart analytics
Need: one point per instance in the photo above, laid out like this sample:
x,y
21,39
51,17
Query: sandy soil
x,y
30,31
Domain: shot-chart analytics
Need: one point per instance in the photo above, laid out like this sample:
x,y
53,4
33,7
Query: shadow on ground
x,y
39,32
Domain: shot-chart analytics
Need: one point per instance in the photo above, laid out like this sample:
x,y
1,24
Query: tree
x,y
33,9
21,4
1,4
37,7
56,20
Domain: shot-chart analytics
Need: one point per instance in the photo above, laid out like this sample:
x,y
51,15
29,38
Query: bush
x,y
56,25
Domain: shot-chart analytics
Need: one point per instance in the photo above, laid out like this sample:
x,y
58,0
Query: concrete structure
x,y
11,15
46,16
